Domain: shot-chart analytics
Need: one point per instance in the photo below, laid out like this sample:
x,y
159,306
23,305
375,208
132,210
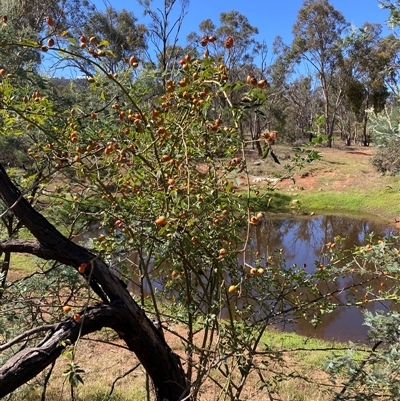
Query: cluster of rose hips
x,y
205,40
253,81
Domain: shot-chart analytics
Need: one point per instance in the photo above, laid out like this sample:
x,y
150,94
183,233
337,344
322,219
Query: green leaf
x,y
109,53
73,41
318,139
29,43
266,151
229,187
104,43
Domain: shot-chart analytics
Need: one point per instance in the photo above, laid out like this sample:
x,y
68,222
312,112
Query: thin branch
x,y
11,207
358,371
27,333
46,381
104,342
30,361
122,376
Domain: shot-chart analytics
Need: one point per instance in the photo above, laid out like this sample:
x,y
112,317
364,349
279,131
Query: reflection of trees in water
x,y
302,240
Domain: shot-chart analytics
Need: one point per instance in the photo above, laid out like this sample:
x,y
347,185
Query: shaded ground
x,y
122,378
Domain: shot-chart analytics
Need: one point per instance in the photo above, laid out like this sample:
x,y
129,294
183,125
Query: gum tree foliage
x,y
279,73
118,30
371,59
240,64
384,129
236,25
303,102
394,9
67,14
317,33
384,125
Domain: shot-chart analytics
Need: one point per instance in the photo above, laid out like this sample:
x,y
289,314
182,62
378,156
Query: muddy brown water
x,y
302,240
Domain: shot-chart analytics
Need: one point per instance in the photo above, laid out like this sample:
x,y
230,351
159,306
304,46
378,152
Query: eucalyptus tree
x,y
303,105
234,41
163,31
16,60
371,61
394,9
241,60
318,33
119,30
32,14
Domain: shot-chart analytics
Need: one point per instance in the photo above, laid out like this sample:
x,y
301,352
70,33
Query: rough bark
x,y
139,333
30,361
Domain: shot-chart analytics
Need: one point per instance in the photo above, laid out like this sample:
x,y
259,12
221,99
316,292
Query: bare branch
x,y
27,333
46,381
122,376
27,363
26,246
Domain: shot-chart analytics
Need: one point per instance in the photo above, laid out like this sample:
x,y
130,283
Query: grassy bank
x,y
382,203
343,181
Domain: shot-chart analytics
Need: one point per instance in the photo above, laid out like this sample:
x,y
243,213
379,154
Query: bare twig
x,y
27,333
357,371
122,376
46,381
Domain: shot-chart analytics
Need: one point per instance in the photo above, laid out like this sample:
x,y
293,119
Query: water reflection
x,y
301,241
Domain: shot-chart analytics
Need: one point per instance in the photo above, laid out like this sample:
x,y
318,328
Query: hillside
x,y
342,181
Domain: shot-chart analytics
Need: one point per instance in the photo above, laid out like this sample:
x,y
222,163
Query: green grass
x,y
274,201
307,351
379,202
343,181
24,263
94,391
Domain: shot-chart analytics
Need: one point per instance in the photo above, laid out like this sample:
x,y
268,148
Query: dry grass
x,y
291,377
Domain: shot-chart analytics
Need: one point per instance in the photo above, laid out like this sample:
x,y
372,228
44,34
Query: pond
x,y
302,240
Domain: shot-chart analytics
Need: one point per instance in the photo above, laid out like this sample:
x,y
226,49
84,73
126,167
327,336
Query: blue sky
x,y
271,17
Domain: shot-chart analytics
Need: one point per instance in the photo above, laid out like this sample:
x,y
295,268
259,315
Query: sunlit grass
x,y
343,181
307,351
379,202
24,263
